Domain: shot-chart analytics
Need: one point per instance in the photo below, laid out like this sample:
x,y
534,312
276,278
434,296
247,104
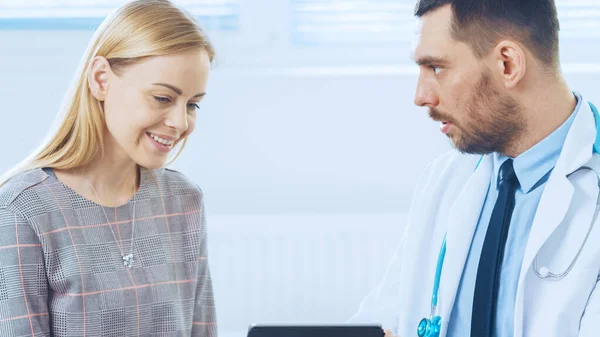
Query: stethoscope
x,y
431,327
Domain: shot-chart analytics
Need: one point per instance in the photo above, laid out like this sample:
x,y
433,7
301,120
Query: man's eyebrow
x,y
177,90
429,60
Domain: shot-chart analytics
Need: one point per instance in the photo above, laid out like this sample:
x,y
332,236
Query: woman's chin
x,y
152,164
149,161
150,158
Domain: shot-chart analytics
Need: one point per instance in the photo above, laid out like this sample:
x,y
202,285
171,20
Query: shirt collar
x,y
532,165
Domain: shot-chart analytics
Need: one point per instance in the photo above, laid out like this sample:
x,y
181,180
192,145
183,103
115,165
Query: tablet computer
x,y
315,331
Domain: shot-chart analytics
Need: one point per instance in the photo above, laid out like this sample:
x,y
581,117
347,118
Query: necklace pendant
x,y
128,261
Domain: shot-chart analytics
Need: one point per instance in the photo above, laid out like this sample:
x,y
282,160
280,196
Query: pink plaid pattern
x,y
61,269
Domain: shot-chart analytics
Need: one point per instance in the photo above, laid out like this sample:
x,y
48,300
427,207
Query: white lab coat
x,y
449,198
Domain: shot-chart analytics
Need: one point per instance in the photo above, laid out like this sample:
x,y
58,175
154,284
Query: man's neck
x,y
546,109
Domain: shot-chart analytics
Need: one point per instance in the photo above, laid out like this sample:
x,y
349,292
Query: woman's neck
x,y
108,180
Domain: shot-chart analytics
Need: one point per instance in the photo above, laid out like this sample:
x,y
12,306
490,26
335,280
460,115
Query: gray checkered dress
x,y
62,272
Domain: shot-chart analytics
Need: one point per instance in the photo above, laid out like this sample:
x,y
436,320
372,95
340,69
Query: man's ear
x,y
511,62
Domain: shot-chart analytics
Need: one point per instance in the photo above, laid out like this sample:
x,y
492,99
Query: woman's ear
x,y
98,77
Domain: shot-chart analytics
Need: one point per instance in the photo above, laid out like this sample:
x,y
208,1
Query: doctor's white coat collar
x,y
578,147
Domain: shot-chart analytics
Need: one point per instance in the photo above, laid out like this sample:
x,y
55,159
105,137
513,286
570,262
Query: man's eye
x,y
436,70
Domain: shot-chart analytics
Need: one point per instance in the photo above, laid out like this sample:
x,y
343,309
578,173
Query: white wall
x,y
307,168
267,141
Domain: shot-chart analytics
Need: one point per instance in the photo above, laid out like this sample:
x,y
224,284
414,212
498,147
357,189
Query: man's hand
x,y
388,333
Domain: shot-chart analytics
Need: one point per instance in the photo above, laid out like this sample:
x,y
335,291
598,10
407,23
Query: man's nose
x,y
425,95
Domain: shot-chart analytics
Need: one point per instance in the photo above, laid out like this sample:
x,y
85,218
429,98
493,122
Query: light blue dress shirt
x,y
532,168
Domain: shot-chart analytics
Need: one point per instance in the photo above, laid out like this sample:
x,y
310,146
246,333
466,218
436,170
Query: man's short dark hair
x,y
482,23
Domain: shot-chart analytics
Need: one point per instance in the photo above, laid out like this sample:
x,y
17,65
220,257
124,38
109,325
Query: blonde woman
x,y
97,238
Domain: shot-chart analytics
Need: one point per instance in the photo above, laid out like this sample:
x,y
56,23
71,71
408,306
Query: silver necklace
x,y
127,259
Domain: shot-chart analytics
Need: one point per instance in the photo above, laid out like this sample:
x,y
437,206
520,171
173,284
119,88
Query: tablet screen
x,y
316,331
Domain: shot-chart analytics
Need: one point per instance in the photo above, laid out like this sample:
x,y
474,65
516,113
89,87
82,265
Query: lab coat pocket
x,y
554,307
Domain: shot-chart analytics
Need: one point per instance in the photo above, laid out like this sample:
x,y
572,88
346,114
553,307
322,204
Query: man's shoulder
x,y
453,165
446,175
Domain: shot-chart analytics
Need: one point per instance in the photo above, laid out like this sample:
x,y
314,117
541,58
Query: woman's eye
x,y
162,99
194,106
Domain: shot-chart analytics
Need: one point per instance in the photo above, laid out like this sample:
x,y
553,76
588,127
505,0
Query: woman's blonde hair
x,y
139,29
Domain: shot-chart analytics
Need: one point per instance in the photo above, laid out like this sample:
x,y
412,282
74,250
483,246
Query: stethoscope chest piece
x,y
429,327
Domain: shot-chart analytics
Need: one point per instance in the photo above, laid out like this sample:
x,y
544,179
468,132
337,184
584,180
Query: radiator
x,y
296,268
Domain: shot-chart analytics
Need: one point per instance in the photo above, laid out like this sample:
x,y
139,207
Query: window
x,y
579,18
85,14
381,22
352,22
277,34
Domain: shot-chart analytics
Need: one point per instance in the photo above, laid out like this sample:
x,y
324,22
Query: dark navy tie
x,y
492,253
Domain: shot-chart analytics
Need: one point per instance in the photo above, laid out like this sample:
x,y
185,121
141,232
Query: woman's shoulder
x,y
21,190
176,182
